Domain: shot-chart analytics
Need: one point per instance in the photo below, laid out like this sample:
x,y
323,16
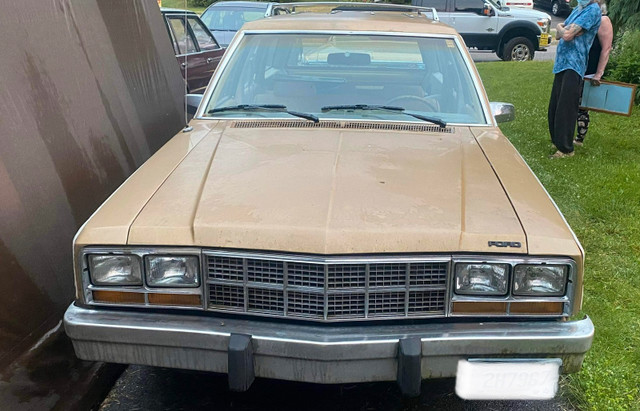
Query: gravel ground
x,y
148,388
482,56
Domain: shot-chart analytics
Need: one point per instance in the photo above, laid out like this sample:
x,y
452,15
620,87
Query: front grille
x,y
326,289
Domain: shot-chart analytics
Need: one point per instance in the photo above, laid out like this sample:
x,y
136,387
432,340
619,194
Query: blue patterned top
x,y
573,55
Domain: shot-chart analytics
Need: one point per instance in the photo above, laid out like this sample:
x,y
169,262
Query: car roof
x,y
181,11
382,21
246,4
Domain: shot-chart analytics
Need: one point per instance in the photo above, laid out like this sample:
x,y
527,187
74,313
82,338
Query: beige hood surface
x,y
331,191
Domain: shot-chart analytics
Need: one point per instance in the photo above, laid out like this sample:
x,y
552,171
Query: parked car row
x,y
513,33
557,7
225,18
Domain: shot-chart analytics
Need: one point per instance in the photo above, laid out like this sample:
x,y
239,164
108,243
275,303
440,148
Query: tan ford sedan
x,y
344,209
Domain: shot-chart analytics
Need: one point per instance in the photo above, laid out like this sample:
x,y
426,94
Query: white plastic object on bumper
x,y
504,379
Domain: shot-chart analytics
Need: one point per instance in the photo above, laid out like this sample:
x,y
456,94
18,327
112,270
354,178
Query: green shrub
x,y
624,64
200,3
624,14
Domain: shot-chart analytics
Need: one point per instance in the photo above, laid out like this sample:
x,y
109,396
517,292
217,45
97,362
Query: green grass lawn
x,y
179,4
598,190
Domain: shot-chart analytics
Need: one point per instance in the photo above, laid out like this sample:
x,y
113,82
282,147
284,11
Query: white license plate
x,y
489,379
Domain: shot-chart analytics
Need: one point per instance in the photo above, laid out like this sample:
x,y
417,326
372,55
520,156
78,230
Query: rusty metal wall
x,y
89,89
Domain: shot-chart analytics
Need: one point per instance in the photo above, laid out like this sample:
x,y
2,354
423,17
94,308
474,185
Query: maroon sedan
x,y
196,49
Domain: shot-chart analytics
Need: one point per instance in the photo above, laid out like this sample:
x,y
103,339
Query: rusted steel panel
x,y
89,89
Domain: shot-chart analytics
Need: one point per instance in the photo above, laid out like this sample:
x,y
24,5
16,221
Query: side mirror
x,y
503,112
487,10
193,101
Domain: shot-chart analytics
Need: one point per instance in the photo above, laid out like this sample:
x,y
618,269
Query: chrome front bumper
x,y
316,353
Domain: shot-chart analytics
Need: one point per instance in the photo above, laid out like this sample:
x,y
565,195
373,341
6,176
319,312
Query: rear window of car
x,y
230,18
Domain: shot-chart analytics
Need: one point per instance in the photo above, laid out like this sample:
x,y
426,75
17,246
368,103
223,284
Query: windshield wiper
x,y
270,107
434,120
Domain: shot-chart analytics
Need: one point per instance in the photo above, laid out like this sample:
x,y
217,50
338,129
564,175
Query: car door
x,y
209,49
440,6
192,64
477,29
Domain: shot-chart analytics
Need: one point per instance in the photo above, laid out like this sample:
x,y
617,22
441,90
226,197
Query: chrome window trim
x,y
198,52
490,121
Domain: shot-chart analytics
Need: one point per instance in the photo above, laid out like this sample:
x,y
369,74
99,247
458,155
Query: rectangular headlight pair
x,y
128,269
492,279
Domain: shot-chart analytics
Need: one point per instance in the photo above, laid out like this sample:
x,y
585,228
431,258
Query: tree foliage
x,y
624,14
200,3
624,64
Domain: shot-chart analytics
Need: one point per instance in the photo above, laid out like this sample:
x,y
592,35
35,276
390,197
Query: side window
x,y
473,6
439,5
183,38
203,37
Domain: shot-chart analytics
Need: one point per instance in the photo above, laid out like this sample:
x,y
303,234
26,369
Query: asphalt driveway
x,y
148,388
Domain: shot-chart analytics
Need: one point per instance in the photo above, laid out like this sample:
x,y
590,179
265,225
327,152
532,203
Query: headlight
x,y
481,278
115,269
544,24
547,279
172,271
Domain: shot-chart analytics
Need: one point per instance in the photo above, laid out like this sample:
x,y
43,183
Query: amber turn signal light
x,y
536,308
192,300
118,297
477,307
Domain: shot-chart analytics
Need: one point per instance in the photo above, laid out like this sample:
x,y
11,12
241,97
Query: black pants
x,y
563,109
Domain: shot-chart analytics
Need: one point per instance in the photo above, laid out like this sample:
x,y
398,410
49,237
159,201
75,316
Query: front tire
x,y
518,49
555,8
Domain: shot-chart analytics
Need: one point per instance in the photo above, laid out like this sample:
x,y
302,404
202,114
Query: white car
x,y
512,33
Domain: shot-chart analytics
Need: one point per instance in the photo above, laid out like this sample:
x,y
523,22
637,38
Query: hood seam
x,y
164,180
513,207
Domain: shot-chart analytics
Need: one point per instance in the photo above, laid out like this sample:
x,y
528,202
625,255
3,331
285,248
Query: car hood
x,y
223,37
527,14
331,191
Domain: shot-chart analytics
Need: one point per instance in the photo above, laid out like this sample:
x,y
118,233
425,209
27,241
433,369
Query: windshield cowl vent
x,y
354,125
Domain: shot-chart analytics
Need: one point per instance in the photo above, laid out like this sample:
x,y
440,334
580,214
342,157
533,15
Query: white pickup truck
x,y
512,33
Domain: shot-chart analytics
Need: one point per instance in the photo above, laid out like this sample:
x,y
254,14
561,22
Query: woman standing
x,y
598,59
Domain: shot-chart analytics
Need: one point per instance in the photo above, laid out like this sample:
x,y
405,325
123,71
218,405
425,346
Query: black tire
x,y
518,49
555,8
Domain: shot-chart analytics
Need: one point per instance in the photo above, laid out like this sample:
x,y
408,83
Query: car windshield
x,y
231,18
314,73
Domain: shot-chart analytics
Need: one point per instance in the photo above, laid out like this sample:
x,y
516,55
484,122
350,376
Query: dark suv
x,y
557,7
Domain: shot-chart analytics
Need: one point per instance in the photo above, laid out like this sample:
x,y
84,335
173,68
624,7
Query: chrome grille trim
x,y
327,289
